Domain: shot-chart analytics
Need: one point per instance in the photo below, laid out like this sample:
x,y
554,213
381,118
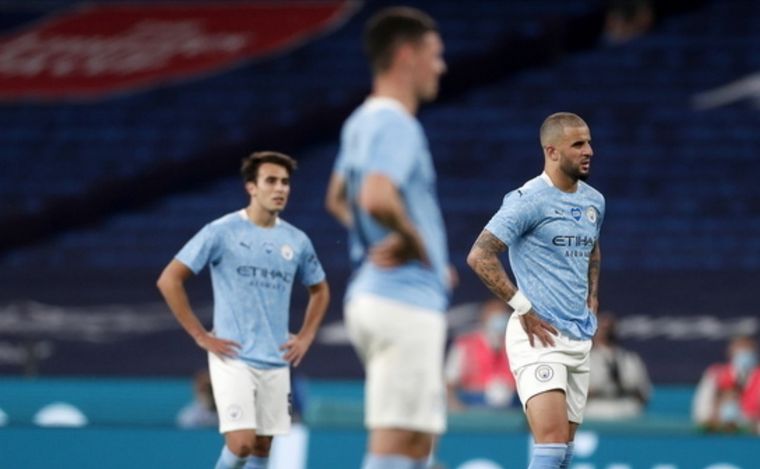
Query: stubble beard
x,y
575,173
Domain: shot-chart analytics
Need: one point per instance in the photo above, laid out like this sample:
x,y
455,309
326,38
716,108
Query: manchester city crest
x,y
287,252
544,373
234,412
591,214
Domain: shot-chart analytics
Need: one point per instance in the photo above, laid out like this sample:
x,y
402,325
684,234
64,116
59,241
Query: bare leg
x,y
415,445
547,417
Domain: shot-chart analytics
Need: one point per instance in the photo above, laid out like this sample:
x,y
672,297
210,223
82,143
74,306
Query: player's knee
x,y
240,448
425,445
262,445
419,444
241,445
552,435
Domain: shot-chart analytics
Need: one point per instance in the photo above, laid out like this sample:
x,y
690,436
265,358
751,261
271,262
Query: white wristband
x,y
519,303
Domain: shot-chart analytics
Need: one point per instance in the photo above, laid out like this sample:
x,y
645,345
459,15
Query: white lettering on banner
x,y
686,327
148,45
97,324
479,464
656,466
587,442
20,354
92,50
488,464
637,327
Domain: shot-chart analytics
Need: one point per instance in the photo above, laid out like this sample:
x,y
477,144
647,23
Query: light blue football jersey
x,y
252,274
382,137
550,235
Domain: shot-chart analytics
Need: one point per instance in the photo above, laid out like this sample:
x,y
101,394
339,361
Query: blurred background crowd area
x,y
122,125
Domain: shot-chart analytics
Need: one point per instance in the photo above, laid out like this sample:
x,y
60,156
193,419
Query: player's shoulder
x,y
290,230
382,113
591,192
531,190
227,220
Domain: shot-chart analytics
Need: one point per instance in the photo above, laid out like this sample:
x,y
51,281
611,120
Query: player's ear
x,y
551,152
405,53
250,187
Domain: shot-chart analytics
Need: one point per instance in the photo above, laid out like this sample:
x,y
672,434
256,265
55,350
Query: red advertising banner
x,y
94,50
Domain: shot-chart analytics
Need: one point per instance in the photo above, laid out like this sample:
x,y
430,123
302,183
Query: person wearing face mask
x,y
728,395
477,368
201,412
619,385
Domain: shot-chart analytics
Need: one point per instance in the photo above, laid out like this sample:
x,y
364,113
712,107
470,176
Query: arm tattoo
x,y
484,260
489,243
594,266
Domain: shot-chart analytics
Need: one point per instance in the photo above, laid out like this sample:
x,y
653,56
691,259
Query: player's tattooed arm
x,y
594,267
484,260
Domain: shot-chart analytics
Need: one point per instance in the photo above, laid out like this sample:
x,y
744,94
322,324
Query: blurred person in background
x,y
627,19
551,226
619,385
254,257
383,189
201,411
477,367
727,398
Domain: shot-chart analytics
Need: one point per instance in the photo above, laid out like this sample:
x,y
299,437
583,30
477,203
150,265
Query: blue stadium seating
x,y
680,183
661,164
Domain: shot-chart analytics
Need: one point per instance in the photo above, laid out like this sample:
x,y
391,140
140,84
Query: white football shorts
x,y
539,369
248,398
402,348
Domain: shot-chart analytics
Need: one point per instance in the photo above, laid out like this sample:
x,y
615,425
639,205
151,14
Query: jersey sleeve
x,y
515,217
341,161
394,149
309,267
200,250
602,210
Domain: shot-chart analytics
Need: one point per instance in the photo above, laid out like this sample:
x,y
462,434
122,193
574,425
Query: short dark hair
x,y
389,28
252,162
555,124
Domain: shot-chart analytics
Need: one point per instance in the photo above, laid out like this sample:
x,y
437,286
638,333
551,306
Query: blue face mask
x,y
744,362
496,327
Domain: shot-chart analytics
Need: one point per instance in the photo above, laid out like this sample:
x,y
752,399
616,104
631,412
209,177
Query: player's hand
x,y
215,345
395,250
295,348
536,327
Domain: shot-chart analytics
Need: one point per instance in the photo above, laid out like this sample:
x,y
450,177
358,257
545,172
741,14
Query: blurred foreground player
x,y
383,190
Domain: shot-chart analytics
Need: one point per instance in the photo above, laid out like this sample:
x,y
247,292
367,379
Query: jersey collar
x,y
244,216
547,179
380,102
